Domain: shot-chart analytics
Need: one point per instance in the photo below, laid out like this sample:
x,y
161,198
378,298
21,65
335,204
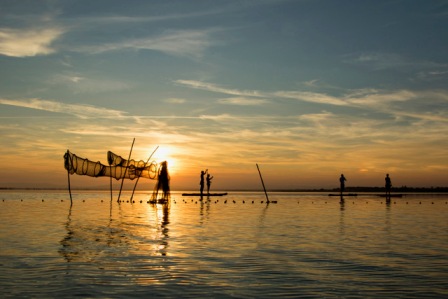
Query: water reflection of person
x,y
388,185
342,180
209,182
164,228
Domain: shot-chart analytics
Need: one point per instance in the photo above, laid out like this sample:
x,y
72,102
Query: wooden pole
x,y
110,183
135,186
69,189
125,170
259,172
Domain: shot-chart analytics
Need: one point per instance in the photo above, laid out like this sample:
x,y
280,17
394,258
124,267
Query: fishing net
x,y
119,168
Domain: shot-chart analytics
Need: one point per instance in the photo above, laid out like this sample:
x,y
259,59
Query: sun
x,y
165,153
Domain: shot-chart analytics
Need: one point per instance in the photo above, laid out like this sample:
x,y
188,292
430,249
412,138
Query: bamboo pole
x,y
135,186
264,188
125,170
69,188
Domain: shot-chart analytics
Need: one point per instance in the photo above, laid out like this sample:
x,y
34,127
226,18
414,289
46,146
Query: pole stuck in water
x,y
264,188
135,186
125,170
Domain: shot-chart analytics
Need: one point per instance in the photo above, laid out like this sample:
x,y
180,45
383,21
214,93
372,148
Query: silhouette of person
x,y
201,183
388,184
163,184
209,182
342,180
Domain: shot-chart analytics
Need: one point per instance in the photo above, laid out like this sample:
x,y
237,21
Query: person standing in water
x,y
201,183
209,182
388,185
342,180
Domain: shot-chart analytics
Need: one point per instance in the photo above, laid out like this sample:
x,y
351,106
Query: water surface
x,y
306,245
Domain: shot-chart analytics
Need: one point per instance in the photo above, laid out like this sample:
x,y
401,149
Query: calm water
x,y
305,246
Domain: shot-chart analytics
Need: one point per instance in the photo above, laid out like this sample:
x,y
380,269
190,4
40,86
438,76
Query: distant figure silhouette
x,y
209,182
388,185
342,180
201,183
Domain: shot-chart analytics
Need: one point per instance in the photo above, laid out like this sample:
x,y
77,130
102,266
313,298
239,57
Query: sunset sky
x,y
307,89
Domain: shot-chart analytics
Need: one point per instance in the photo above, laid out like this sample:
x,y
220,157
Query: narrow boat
x,y
343,194
390,195
204,194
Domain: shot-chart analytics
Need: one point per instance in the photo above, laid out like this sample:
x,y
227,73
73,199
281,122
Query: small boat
x,y
343,194
204,194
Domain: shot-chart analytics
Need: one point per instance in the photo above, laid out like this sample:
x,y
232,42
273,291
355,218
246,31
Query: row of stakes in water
x,y
225,201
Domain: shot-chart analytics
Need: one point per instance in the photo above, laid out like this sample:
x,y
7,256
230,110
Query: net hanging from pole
x,y
119,168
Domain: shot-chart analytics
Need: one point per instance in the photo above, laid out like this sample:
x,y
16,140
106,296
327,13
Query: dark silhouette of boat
x,y
344,194
204,194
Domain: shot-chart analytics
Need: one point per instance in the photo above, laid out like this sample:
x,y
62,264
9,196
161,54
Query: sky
x,y
306,89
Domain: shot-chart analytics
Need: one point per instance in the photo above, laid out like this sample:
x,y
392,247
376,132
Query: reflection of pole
x,y
135,186
267,198
125,170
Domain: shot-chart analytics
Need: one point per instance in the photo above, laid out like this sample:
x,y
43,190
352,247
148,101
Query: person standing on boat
x,y
342,180
201,183
388,185
209,182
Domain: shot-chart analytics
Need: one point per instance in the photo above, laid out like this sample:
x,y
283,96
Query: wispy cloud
x,y
174,101
242,101
82,84
190,43
382,61
82,111
28,42
384,101
218,89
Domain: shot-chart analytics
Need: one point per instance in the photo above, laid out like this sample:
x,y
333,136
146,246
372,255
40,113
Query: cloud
x,y
242,101
382,61
82,111
384,101
81,84
174,101
28,42
190,43
216,88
